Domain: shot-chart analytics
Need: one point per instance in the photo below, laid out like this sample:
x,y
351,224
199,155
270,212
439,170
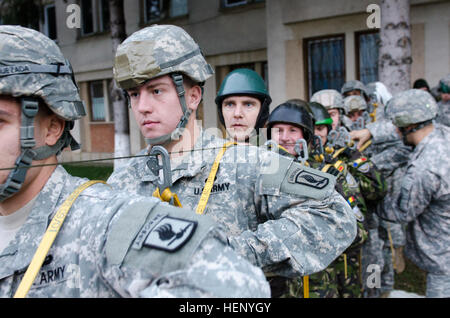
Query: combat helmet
x,y
354,85
292,114
160,50
33,70
354,103
320,115
413,106
245,82
329,98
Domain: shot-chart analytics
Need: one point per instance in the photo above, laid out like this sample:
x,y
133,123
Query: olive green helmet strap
x,y
178,131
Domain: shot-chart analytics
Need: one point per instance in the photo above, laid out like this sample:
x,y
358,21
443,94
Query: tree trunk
x,y
120,107
394,68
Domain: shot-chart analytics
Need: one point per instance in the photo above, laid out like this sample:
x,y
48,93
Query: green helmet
x,y
292,114
320,115
160,50
353,103
245,82
33,70
409,107
329,98
354,85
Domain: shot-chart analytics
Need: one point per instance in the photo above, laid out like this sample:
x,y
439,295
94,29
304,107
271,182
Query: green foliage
x,y
412,279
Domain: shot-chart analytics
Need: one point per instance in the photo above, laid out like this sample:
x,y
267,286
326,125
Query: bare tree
x,y
121,120
394,68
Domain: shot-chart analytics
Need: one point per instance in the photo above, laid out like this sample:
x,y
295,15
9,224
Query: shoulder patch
x,y
169,234
308,178
364,168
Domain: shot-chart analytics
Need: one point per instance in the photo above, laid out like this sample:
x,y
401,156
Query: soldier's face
x,y
355,115
286,136
355,92
9,134
240,114
322,132
156,107
334,114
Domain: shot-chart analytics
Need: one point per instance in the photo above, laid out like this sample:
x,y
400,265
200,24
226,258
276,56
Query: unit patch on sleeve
x,y
308,178
170,234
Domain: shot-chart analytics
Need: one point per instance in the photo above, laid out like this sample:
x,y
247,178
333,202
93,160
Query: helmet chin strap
x,y
16,177
178,131
405,132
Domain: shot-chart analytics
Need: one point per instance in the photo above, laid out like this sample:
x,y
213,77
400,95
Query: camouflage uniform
x,y
111,244
275,213
443,116
359,182
423,198
264,213
341,278
390,156
98,254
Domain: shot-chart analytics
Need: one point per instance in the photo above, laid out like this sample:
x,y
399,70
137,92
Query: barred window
x,y
325,63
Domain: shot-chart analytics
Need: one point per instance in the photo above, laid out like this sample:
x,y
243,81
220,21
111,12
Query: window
x,y
367,56
50,21
156,10
95,16
100,101
325,63
236,3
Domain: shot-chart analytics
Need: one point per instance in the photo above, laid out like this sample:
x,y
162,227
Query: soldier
x,y
384,247
443,90
355,88
111,244
334,103
288,123
342,277
356,107
378,97
272,214
243,104
423,198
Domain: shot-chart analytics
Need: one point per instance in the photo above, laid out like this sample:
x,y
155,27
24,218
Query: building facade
x,y
297,46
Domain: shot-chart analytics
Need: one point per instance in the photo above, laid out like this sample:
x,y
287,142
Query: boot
x,y
399,260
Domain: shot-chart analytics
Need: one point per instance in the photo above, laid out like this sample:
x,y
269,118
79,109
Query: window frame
x,y
306,58
357,49
166,13
106,101
46,25
97,18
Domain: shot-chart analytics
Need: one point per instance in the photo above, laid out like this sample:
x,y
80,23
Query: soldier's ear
x,y
53,127
193,97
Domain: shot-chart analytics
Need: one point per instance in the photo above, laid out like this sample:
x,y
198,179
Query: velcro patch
x,y
308,178
358,214
170,234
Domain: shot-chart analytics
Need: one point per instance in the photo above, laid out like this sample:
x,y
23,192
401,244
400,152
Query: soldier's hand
x,y
361,136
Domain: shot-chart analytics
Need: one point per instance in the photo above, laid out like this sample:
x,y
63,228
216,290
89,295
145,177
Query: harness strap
x,y
48,239
212,174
